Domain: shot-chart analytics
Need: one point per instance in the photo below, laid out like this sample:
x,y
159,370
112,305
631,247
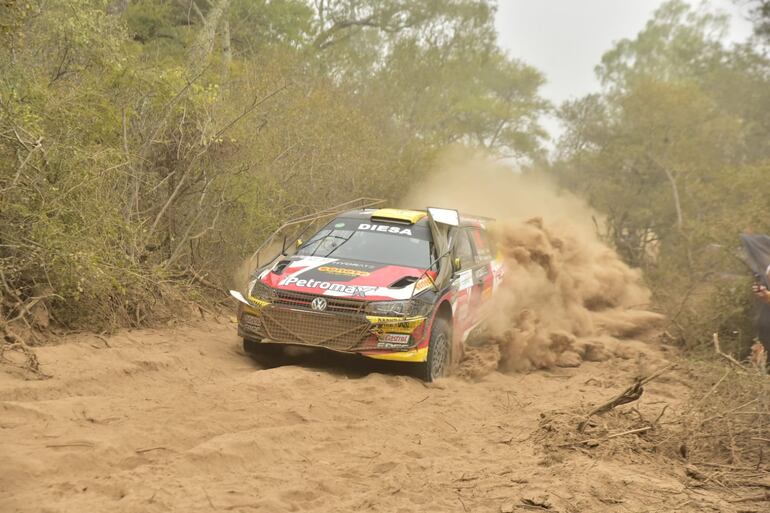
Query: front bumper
x,y
386,338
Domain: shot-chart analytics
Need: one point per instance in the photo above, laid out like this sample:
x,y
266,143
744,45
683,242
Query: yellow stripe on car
x,y
410,216
256,305
414,355
394,324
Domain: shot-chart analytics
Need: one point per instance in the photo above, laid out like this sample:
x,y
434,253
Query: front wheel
x,y
258,348
439,351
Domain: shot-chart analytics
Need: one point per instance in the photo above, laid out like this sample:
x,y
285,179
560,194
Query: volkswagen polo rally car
x,y
402,285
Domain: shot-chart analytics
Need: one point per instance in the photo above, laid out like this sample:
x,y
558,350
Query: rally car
x,y
403,285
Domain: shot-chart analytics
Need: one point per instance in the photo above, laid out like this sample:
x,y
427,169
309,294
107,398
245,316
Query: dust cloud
x,y
566,297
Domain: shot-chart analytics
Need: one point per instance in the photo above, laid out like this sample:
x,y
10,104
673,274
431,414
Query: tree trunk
x,y
200,51
227,53
677,202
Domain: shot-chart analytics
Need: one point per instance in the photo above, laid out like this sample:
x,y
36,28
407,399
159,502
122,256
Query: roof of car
x,y
408,216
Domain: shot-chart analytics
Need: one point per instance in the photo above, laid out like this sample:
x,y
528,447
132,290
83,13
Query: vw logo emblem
x,y
318,304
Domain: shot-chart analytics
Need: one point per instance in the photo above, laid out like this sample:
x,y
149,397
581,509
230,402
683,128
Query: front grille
x,y
306,327
301,300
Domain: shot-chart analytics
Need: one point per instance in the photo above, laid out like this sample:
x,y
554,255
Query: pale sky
x,y
565,39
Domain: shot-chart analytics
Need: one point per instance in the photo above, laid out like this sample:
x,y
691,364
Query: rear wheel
x,y
439,351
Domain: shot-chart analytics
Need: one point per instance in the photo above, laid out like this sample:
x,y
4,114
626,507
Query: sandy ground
x,y
181,419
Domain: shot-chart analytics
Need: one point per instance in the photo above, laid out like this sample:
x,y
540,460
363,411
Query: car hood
x,y
346,278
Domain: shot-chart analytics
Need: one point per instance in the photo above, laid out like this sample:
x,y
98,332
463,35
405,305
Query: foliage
x,y
682,121
760,13
147,146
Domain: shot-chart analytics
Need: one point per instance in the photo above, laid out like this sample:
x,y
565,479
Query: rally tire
x,y
439,359
250,346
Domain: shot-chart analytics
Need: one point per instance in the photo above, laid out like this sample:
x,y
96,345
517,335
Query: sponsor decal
x,y
385,229
464,280
497,273
422,284
357,265
386,325
340,270
388,345
395,338
393,341
481,273
352,290
484,254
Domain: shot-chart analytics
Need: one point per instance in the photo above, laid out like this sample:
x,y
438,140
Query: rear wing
x,y
440,221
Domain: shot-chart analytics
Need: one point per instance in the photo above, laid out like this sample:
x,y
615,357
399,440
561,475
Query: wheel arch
x,y
443,317
444,311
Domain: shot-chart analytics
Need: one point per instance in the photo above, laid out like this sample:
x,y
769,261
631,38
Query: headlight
x,y
387,308
259,290
408,308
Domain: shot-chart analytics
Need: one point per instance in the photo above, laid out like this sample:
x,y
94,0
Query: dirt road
x,y
182,420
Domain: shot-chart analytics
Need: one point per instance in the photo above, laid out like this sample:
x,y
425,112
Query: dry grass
x,y
720,433
725,427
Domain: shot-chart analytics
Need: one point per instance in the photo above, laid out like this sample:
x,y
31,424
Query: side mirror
x,y
457,263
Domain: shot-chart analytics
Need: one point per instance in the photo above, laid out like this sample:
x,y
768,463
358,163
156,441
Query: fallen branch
x,y
593,442
711,391
630,432
725,355
753,498
721,465
630,394
540,503
723,414
756,484
71,444
149,449
194,276
13,342
660,415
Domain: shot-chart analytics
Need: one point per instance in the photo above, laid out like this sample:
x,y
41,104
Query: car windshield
x,y
380,243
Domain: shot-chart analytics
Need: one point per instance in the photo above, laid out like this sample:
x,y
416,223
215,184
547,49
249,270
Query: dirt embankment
x,y
182,420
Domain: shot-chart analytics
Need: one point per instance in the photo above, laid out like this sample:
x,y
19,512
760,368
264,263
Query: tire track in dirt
x,y
182,420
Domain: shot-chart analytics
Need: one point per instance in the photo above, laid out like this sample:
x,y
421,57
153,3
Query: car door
x,y
468,281
483,273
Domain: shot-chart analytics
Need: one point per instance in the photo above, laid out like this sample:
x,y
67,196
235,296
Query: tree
x,y
760,15
682,120
645,164
678,42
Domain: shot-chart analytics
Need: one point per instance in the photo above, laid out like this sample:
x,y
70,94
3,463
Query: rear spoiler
x,y
441,221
